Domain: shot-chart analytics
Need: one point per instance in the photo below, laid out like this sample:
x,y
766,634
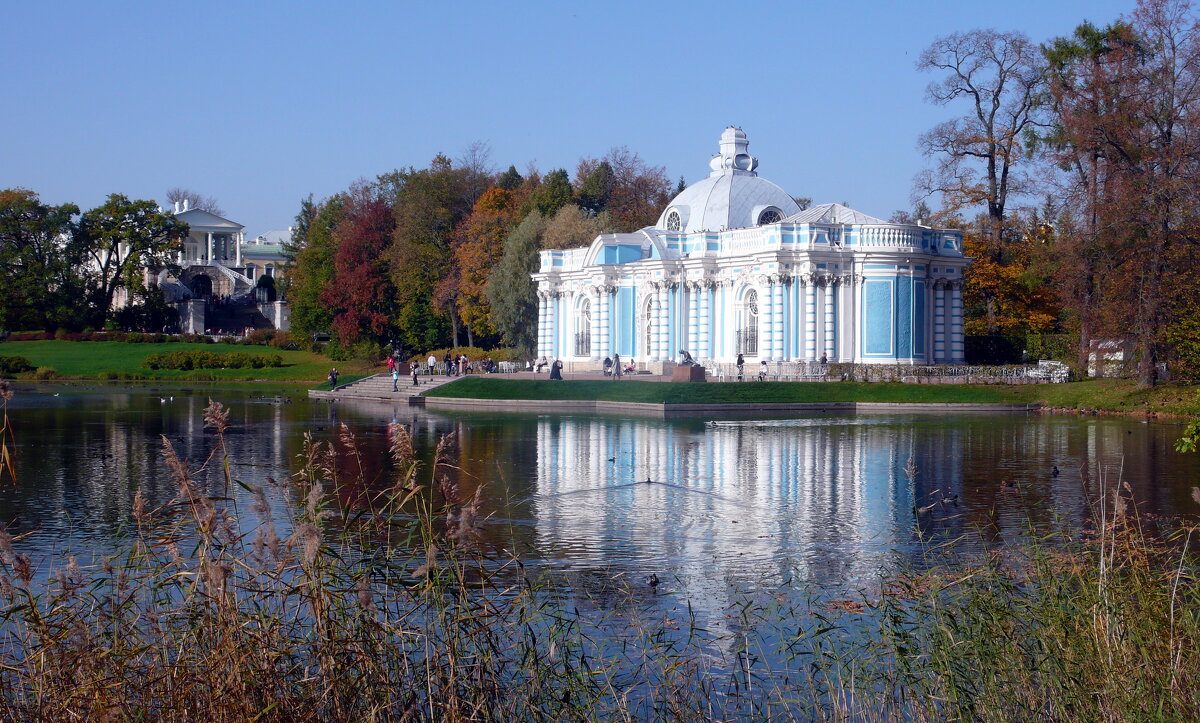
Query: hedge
x,y
198,359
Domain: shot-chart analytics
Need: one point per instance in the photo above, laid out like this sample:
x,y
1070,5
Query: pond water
x,y
709,506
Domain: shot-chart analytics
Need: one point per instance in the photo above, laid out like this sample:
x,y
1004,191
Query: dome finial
x,y
734,154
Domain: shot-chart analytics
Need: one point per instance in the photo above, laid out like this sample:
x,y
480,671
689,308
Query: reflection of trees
x,y
83,456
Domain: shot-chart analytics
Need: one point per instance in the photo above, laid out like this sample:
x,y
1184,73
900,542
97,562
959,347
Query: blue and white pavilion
x,y
734,266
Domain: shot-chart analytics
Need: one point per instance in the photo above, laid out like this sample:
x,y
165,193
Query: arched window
x,y
674,221
747,324
647,321
770,215
583,328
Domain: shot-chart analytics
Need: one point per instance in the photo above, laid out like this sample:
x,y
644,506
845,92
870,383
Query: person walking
x,y
333,375
416,368
741,366
395,376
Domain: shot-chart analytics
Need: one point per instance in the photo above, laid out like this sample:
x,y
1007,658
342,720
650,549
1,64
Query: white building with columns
x,y
735,266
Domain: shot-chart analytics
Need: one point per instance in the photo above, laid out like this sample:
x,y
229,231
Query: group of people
x,y
414,369
616,369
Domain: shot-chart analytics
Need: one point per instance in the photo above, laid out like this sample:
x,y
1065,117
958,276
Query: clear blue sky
x,y
261,103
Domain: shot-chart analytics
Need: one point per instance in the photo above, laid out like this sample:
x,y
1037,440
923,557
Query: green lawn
x,y
91,359
1106,394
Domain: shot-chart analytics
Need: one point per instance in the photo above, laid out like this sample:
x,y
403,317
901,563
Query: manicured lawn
x,y
90,359
1107,394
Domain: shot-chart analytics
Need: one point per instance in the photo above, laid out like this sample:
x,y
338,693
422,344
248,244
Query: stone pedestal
x,y
191,316
688,374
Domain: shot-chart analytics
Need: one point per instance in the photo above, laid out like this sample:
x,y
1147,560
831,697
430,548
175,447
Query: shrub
x,y
229,339
44,373
260,337
282,340
198,359
13,365
61,334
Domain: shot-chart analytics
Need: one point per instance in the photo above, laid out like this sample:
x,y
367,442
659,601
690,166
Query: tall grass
x,y
388,609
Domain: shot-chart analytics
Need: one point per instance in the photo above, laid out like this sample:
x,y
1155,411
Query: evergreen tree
x,y
552,194
510,289
510,180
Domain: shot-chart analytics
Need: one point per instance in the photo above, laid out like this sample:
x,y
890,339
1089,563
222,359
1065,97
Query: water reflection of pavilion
x,y
762,502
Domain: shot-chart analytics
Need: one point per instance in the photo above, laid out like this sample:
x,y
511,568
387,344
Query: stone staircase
x,y
378,387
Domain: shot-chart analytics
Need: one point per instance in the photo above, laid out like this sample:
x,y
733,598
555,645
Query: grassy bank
x,y
121,360
1100,394
387,611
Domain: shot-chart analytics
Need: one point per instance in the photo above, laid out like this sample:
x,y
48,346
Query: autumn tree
x,y
1128,101
981,155
360,294
477,246
40,276
634,193
118,241
511,291
428,204
572,227
1022,298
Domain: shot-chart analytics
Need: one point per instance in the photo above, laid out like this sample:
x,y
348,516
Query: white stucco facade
x,y
734,266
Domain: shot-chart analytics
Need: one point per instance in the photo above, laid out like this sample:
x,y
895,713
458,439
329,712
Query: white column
x,y
237,242
957,346
704,341
653,322
777,320
830,348
693,319
664,321
939,322
602,343
543,327
210,256
810,320
594,325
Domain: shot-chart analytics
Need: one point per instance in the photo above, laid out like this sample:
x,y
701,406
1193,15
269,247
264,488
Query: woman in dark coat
x,y
556,370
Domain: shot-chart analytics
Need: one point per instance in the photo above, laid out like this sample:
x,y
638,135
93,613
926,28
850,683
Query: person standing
x,y
391,363
432,362
556,370
616,362
333,375
741,366
395,376
416,368
449,361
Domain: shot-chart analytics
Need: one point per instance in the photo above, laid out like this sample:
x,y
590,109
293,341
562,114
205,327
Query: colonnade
x,y
799,318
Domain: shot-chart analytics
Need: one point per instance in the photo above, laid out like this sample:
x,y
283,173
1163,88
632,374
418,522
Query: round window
x,y
674,222
770,215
